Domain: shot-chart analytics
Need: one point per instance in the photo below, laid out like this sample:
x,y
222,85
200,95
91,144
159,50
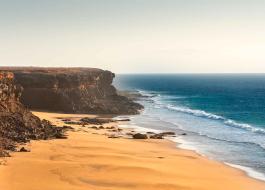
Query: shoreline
x,y
186,168
249,172
179,143
184,144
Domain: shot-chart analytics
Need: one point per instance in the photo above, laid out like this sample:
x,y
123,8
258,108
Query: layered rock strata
x,y
18,124
71,90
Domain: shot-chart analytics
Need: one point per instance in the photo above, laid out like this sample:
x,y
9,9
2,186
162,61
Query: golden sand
x,y
89,160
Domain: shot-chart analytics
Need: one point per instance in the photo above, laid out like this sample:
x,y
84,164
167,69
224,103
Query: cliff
x,y
71,90
17,124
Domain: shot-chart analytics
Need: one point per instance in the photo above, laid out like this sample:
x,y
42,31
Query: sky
x,y
135,36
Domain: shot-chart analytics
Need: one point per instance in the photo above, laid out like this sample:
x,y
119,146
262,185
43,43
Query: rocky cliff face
x,y
75,90
17,124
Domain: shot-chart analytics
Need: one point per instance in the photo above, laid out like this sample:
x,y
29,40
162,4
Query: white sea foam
x,y
204,114
199,113
250,172
243,126
147,94
139,129
181,143
161,102
190,146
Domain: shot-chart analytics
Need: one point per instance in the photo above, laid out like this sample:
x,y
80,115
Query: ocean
x,y
223,115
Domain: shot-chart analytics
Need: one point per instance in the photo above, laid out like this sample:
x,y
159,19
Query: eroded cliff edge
x,y
71,90
18,124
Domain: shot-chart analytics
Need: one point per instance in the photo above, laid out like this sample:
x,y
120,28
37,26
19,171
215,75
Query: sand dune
x,y
92,161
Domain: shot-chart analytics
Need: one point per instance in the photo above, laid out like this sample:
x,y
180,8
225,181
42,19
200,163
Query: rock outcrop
x,y
71,90
17,124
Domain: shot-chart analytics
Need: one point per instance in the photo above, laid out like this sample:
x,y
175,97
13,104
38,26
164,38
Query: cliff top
x,y
51,70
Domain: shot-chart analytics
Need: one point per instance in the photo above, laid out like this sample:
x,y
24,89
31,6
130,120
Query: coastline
x,y
66,163
180,144
188,144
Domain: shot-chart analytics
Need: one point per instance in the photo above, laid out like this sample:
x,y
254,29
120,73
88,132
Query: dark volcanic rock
x,y
73,123
17,124
161,135
23,149
112,127
150,133
68,127
168,133
95,121
140,136
75,90
157,136
122,120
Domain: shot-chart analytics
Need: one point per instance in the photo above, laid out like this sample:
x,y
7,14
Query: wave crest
x,y
229,122
201,113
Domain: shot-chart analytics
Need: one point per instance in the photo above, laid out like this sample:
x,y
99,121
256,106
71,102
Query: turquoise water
x,y
223,115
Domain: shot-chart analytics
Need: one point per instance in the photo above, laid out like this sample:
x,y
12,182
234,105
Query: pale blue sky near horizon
x,y
135,36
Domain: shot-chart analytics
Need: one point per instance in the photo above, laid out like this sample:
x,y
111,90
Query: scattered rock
x,y
112,127
168,133
101,127
157,136
95,121
23,149
66,127
150,132
73,123
122,120
60,136
184,134
140,136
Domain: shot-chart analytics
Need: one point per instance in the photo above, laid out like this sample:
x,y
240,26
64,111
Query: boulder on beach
x,y
168,133
140,136
157,136
150,133
23,149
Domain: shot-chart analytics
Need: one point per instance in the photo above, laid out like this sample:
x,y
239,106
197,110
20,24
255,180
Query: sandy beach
x,y
88,159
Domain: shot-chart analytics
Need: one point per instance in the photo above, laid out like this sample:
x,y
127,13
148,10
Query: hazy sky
x,y
128,36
